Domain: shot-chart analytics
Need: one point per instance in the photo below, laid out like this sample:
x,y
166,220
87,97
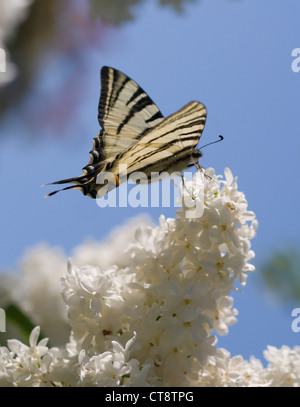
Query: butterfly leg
x,y
199,168
183,185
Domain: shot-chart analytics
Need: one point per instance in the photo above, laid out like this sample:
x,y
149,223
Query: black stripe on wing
x,y
186,155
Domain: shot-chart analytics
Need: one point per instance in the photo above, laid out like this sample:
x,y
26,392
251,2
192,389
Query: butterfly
x,y
136,137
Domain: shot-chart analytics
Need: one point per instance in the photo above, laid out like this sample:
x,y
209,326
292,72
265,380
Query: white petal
x,y
34,336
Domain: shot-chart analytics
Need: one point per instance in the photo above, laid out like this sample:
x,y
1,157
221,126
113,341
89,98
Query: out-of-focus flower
x,y
284,366
41,269
11,14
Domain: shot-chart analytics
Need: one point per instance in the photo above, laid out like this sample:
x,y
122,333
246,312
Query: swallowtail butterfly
x,y
135,135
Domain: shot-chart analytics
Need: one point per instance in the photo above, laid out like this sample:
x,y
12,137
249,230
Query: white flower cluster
x,y
147,317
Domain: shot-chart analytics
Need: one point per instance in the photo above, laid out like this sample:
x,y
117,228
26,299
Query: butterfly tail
x,y
82,183
82,179
63,189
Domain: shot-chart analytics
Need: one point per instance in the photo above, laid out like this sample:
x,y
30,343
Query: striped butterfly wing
x,y
125,113
169,146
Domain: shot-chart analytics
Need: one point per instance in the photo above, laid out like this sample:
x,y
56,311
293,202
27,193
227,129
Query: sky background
x,y
232,55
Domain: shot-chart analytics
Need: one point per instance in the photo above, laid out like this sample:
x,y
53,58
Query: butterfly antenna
x,y
213,142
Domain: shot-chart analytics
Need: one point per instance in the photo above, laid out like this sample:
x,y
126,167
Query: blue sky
x,y
235,57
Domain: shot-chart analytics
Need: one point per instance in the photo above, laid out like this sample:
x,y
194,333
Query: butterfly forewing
x,y
125,111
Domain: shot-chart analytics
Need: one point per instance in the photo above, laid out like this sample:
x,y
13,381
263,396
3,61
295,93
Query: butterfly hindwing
x,y
171,144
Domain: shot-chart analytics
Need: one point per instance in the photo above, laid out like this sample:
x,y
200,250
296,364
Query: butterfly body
x,y
135,137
